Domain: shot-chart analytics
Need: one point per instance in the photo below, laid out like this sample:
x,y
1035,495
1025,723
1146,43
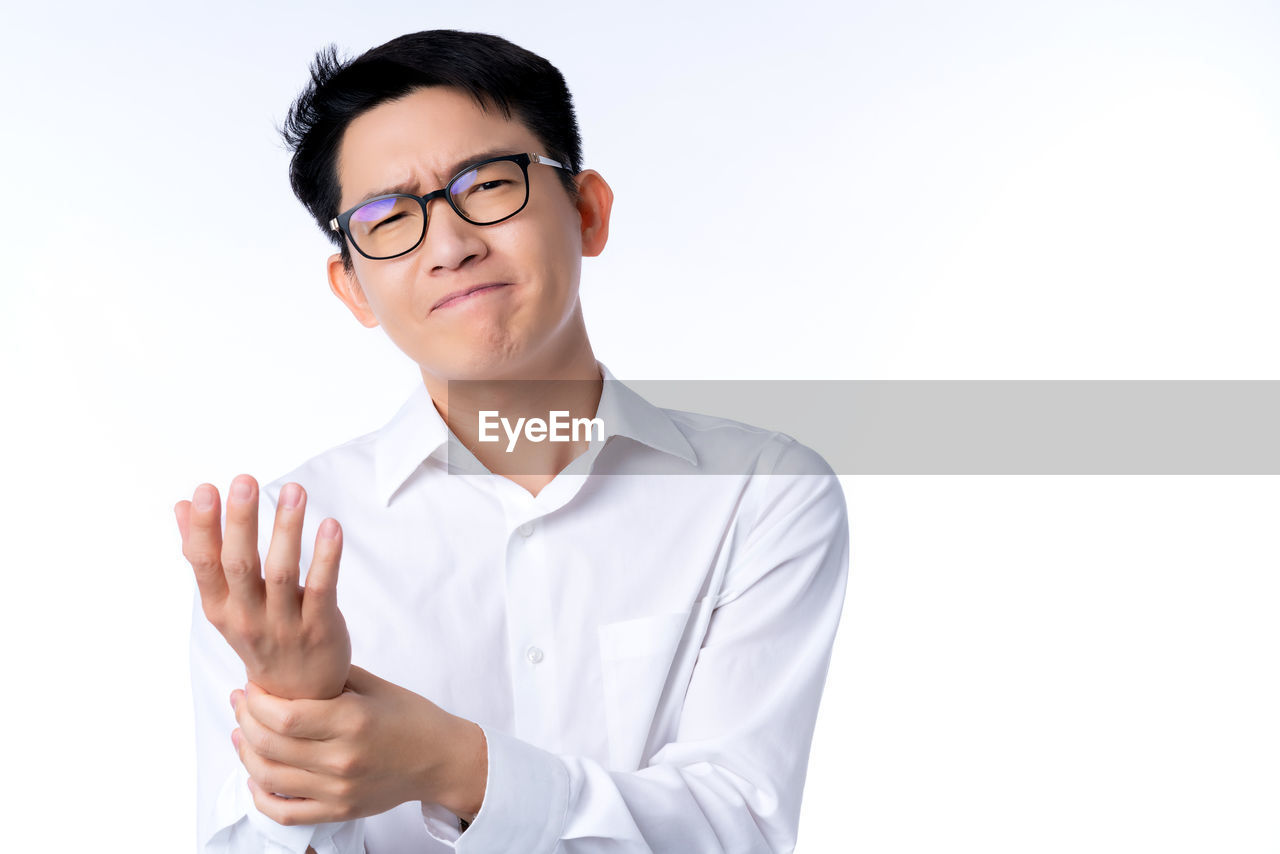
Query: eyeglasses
x,y
484,193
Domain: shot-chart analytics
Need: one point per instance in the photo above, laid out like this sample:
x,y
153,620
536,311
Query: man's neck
x,y
575,388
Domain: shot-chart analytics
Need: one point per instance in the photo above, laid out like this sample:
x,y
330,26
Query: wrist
x,y
460,786
293,687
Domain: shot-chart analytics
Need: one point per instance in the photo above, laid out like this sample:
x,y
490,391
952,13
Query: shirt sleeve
x,y
227,820
732,779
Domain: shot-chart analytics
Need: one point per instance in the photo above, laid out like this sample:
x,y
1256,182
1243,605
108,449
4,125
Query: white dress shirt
x,y
644,645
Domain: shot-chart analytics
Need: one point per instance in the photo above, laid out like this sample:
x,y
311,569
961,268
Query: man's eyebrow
x,y
412,185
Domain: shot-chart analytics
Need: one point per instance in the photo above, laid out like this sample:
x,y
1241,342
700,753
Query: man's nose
x,y
450,240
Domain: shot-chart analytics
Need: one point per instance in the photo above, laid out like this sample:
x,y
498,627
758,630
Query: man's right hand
x,y
293,642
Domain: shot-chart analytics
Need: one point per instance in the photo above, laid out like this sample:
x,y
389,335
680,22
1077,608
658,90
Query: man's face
x,y
529,325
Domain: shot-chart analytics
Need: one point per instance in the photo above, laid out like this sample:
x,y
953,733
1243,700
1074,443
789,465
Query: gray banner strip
x,y
1005,426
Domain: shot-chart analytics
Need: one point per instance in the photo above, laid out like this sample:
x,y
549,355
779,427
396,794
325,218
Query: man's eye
x,y
490,185
388,220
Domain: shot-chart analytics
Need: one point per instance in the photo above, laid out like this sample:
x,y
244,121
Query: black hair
x,y
495,72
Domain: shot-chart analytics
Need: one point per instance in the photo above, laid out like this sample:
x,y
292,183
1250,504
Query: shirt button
x,y
534,654
526,529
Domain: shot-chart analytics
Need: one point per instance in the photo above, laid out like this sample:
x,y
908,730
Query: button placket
x,y
533,654
531,627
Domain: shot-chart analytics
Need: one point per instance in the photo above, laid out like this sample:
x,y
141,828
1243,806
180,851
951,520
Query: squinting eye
x,y
388,220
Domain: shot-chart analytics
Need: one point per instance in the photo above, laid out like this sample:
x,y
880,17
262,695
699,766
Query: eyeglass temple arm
x,y
538,158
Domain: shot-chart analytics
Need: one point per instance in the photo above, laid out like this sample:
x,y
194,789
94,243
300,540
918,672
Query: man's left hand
x,y
374,746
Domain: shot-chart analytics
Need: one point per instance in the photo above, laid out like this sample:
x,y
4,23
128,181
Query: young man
x,y
614,642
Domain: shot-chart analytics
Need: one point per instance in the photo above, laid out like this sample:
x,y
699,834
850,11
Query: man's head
x,y
403,117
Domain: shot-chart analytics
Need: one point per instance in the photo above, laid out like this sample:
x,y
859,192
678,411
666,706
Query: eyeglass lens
x,y
393,226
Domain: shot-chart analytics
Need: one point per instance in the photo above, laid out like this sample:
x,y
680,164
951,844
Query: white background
x,y
909,190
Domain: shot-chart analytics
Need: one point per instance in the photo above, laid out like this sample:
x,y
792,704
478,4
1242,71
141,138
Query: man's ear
x,y
595,202
347,288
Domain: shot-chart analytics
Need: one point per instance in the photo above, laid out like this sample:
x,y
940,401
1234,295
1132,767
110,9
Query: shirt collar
x,y
417,432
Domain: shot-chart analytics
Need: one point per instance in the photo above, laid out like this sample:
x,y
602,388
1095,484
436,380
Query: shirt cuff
x,y
526,797
441,823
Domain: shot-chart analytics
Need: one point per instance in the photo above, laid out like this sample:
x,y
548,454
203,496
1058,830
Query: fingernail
x,y
235,738
203,499
240,490
290,495
329,529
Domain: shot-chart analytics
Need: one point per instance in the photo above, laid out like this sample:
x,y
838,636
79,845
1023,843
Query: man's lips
x,y
461,293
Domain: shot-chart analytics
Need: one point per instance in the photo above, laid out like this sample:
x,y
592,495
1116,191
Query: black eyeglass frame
x,y
342,222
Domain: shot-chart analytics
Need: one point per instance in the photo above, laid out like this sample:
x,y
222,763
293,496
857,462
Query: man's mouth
x,y
463,294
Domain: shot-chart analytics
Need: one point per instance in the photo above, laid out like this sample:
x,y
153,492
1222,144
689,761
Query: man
x,y
613,642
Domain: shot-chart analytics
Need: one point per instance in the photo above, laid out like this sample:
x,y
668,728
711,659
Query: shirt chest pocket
x,y
637,657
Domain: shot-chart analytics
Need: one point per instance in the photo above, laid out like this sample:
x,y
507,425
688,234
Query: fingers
x,y
240,543
320,601
200,524
277,777
287,811
296,752
182,512
281,568
313,719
